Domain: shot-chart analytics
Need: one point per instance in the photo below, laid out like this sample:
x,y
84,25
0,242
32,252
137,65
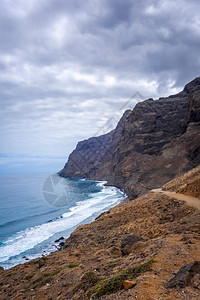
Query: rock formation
x,y
152,144
186,275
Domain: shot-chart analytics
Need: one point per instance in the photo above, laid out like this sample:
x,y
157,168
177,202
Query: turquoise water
x,y
36,209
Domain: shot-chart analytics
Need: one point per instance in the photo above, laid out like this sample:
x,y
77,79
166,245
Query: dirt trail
x,y
191,201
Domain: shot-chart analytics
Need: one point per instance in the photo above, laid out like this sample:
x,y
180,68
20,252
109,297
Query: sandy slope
x,y
191,201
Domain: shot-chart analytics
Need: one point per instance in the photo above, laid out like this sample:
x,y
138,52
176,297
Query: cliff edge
x,y
152,144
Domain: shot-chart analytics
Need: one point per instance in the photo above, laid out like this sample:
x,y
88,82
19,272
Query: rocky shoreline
x,y
142,249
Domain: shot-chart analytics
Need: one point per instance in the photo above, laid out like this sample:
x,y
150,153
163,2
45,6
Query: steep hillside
x,y
145,241
152,144
188,183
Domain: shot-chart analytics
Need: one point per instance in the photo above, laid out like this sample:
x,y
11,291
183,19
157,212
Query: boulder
x,y
61,245
128,284
41,263
187,275
60,239
128,243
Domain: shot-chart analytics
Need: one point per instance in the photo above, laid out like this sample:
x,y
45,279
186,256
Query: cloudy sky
x,y
67,66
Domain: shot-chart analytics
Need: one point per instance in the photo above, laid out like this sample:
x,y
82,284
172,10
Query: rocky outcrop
x,y
152,144
187,275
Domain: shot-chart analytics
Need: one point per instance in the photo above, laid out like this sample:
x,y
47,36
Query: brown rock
x,y
187,275
128,284
41,263
193,114
141,152
196,281
128,243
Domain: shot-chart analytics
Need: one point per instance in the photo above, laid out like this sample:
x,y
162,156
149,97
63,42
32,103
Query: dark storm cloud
x,y
66,66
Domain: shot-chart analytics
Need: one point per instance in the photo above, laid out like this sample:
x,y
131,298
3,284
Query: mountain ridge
x,y
141,152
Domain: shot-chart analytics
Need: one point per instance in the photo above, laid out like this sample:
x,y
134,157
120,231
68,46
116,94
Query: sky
x,y
67,67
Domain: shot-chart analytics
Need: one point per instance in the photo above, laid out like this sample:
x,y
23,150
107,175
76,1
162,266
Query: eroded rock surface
x,y
151,145
187,275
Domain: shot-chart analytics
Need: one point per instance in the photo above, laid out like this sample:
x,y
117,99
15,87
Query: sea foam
x,y
32,241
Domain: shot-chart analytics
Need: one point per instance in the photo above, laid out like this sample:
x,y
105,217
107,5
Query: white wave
x,y
29,238
101,183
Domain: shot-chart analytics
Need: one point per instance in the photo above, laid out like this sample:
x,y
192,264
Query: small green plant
x,y
115,283
45,278
89,280
72,265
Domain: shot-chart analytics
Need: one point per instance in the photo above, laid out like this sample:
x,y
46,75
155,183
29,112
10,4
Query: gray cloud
x,y
67,66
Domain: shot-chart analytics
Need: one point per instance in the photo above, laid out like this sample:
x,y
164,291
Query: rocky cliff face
x,y
153,143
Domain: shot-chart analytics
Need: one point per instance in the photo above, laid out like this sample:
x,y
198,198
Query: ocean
x,y
37,209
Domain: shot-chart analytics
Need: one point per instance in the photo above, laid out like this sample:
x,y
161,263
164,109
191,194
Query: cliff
x,y
143,249
153,242
152,144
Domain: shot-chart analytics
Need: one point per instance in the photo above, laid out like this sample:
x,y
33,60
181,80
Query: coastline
x,y
94,207
152,242
145,234
141,153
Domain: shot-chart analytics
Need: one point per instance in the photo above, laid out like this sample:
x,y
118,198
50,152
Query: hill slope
x,y
157,233
188,183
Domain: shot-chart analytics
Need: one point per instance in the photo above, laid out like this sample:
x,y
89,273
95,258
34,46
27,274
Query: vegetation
x,y
115,283
88,280
45,278
72,265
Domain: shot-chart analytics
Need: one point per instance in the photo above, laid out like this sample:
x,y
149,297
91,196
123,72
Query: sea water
x,y
37,209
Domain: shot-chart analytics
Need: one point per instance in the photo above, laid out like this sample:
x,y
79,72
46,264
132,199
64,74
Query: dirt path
x,y
191,201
